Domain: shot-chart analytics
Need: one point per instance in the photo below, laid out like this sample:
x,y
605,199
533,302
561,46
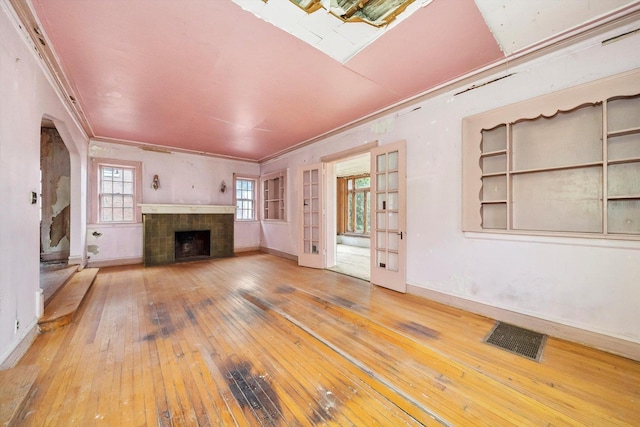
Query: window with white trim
x,y
245,198
274,188
117,191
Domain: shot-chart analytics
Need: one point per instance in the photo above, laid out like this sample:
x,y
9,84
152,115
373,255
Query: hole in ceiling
x,y
375,12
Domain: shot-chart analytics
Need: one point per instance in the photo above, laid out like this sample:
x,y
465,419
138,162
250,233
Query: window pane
x,y
362,182
393,160
350,213
128,214
107,187
107,201
127,188
359,212
368,208
128,201
106,214
117,215
117,187
107,173
127,175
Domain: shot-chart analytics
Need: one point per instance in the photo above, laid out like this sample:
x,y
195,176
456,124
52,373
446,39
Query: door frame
x,y
330,229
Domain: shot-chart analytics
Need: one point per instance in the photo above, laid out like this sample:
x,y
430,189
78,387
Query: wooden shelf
x,y
488,175
557,168
621,161
630,197
624,132
493,153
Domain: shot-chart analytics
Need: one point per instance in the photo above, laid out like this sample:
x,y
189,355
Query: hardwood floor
x,y
256,340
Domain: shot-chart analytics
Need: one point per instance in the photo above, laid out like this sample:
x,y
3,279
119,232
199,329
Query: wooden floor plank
x,y
170,345
15,387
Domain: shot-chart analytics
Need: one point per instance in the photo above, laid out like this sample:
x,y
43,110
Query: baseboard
x,y
18,351
77,260
115,262
238,250
279,253
606,343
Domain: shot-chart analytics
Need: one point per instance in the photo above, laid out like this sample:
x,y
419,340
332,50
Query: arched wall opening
x,y
55,195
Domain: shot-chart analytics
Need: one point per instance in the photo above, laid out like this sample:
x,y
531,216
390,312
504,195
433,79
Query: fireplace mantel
x,y
152,208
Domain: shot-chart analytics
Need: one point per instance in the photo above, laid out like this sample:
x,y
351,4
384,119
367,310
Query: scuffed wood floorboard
x,y
256,340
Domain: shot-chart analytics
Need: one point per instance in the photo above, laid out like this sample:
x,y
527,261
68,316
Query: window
x,y
357,204
245,198
575,171
116,185
116,194
273,192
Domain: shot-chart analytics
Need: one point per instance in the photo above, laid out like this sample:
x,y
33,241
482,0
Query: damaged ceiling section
x,y
339,28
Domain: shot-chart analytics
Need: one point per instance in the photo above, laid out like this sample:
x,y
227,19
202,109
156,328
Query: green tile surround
x,y
159,234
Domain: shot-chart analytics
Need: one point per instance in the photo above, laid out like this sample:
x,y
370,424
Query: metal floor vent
x,y
517,340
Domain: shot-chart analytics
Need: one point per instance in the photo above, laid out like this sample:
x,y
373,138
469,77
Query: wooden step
x,y
52,280
15,388
62,308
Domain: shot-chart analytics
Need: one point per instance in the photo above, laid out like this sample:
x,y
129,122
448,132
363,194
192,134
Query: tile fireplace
x,y
177,233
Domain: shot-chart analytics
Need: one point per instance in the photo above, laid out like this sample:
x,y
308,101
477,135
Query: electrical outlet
x,y
17,328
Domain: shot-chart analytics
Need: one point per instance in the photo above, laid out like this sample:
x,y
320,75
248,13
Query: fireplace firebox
x,y
192,245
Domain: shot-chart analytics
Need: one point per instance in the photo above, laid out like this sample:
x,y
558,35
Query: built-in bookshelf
x,y
567,163
273,202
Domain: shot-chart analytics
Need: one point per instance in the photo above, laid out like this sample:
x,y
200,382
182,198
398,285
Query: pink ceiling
x,y
208,76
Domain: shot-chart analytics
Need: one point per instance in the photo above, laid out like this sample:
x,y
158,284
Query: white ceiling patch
x,y
518,24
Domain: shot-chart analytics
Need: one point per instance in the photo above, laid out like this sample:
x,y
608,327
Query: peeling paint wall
x,y
56,196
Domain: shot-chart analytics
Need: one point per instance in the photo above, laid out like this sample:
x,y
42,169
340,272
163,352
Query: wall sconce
x,y
223,187
156,182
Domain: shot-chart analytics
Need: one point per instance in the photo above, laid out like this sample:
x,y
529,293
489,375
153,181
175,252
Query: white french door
x,y
388,219
311,216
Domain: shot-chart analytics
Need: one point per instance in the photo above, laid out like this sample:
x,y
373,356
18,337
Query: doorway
x,y
352,216
55,207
